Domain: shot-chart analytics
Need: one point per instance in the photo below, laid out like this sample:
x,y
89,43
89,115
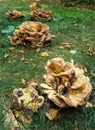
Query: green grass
x,y
76,26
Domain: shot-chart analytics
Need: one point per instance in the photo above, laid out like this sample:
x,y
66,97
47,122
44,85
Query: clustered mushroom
x,y
34,6
66,85
15,14
41,14
28,98
34,33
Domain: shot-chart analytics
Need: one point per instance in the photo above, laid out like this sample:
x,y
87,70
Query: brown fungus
x,y
28,98
34,33
15,14
41,14
66,85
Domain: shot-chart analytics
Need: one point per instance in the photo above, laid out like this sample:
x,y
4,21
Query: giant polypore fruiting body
x,y
41,14
34,33
15,14
28,98
66,85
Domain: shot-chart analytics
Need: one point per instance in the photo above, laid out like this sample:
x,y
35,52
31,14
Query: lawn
x,y
70,25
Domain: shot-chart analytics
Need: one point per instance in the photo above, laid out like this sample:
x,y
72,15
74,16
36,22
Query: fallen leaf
x,y
73,51
25,120
23,58
21,51
38,50
11,61
44,54
88,105
91,51
52,113
65,45
12,49
6,55
22,117
53,36
11,121
23,81
85,69
26,62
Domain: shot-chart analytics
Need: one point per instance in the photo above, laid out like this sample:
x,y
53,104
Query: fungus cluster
x,y
66,85
15,14
34,6
41,14
28,98
34,33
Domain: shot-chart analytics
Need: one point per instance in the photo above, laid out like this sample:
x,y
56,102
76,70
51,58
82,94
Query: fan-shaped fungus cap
x,y
66,84
34,33
41,14
28,98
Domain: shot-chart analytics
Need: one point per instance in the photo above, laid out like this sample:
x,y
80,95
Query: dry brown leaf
x,y
21,116
33,6
23,58
88,105
65,45
6,55
26,62
76,128
73,51
91,51
11,61
52,113
38,50
11,121
44,54
21,51
25,120
23,81
12,49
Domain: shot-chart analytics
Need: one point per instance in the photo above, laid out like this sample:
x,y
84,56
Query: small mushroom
x,y
41,14
15,14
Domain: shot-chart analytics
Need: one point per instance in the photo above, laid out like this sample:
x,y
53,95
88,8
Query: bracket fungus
x,y
34,33
41,14
15,14
66,85
28,98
